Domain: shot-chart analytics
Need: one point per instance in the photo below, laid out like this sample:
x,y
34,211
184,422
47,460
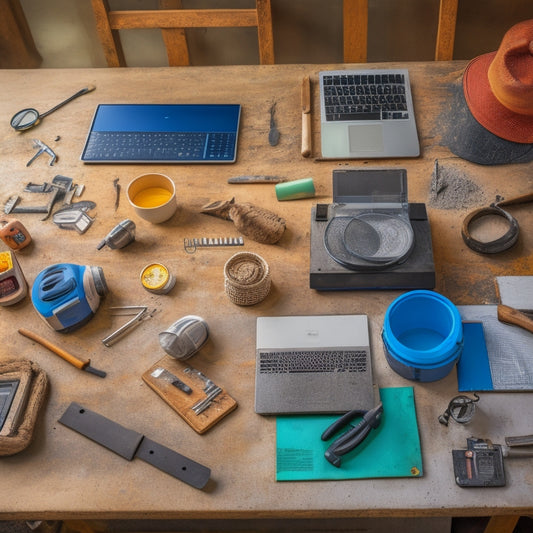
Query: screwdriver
x,y
82,364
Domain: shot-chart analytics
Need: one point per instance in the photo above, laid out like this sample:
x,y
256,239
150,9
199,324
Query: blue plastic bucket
x,y
422,335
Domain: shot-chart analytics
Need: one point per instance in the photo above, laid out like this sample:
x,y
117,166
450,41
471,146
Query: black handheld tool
x,y
354,436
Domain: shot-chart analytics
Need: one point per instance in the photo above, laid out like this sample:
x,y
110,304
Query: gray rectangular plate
x,y
129,444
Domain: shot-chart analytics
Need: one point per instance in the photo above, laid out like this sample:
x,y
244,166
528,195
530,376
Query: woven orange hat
x,y
498,87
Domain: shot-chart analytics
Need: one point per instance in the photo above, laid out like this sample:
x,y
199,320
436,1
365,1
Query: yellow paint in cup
x,y
152,197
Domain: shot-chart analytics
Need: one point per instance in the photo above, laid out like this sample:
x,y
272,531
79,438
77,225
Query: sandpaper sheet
x,y
507,351
516,291
300,450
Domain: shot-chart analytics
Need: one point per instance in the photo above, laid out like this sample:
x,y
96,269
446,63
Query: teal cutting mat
x,y
391,450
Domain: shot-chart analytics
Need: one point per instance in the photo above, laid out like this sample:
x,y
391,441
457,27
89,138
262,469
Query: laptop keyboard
x,y
365,97
291,362
148,146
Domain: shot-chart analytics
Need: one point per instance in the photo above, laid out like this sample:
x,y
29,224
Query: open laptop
x,y
163,133
313,364
367,114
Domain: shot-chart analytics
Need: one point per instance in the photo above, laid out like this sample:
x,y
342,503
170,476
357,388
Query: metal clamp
x,y
41,149
211,390
141,315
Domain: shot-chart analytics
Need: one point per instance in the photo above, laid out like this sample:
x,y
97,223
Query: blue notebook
x,y
163,133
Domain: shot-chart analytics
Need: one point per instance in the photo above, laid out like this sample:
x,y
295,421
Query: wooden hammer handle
x,y
306,134
509,315
78,363
524,199
306,117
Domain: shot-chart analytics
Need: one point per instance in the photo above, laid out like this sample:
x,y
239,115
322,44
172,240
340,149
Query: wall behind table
x,y
305,31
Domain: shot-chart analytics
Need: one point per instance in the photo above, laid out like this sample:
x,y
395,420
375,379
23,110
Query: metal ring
x,y
498,245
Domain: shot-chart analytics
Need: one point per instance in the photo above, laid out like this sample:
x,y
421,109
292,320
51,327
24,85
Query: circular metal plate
x,y
369,240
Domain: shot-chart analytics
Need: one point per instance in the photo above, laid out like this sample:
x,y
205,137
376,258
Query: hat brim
x,y
468,139
488,110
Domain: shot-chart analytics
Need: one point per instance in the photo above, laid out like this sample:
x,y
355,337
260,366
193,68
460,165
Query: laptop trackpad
x,y
366,138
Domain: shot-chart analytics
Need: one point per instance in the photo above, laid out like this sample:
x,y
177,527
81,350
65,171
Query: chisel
x,y
257,179
82,364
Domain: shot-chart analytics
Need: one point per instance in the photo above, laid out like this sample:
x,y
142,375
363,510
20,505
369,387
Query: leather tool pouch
x,y
31,382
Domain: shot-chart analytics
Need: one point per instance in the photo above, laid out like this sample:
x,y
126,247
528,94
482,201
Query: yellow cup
x,y
153,196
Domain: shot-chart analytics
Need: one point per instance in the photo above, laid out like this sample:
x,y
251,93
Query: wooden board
x,y
182,402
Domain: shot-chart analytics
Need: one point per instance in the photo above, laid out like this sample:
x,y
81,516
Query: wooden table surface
x,y
63,475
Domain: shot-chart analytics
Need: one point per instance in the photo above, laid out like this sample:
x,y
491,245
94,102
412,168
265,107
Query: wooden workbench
x,y
62,475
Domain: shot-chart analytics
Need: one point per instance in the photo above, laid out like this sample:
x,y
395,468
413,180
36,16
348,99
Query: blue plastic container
x,y
422,335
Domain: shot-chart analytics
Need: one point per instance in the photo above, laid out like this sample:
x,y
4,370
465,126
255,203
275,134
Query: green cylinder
x,y
295,190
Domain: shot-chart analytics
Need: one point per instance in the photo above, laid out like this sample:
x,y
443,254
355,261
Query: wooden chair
x,y
172,20
446,30
355,28
18,46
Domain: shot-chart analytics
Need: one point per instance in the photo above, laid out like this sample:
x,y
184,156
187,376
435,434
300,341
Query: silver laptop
x,y
367,114
313,364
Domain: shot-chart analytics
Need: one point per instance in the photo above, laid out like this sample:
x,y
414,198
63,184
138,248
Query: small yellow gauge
x,y
156,278
13,286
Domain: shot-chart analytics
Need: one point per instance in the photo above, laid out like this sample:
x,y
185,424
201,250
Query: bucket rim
x,y
440,354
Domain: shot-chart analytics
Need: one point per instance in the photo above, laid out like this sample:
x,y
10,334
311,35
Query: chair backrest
x,y
355,28
172,20
446,30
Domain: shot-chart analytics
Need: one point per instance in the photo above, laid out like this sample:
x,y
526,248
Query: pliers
x,y
354,436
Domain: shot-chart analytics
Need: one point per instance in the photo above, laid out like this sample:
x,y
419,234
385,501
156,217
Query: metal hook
x,y
461,409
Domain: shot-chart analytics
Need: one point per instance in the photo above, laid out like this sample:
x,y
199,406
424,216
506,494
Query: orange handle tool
x,y
82,364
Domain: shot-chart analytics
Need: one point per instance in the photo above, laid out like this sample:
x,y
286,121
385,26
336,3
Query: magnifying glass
x,y
27,118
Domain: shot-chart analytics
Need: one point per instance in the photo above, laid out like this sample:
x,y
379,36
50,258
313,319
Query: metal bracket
x,y
58,188
211,389
142,314
41,149
130,444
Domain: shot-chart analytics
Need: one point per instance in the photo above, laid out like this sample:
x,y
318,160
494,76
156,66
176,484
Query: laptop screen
x,y
166,133
167,118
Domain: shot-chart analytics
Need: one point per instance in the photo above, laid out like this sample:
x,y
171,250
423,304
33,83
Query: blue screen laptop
x,y
168,133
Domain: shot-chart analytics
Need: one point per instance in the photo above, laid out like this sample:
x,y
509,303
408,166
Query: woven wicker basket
x,y
246,278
